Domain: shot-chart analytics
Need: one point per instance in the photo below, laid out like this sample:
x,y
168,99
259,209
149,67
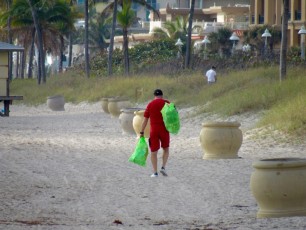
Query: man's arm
x,y
143,126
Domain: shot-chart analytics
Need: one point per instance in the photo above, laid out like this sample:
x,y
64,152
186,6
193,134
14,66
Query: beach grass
x,y
237,92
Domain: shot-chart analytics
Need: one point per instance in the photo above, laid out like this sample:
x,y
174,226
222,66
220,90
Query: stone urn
x,y
220,140
279,187
126,119
56,103
116,104
137,122
104,104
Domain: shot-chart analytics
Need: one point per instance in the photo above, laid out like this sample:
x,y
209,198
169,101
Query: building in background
x,y
269,12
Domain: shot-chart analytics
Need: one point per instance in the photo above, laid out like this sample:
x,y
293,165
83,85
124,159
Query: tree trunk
x,y
39,69
126,51
70,50
86,40
10,41
23,61
17,65
31,55
111,44
41,64
60,61
188,45
283,51
70,41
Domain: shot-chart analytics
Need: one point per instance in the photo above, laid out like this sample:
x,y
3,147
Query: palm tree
x,y
111,44
71,4
99,29
173,29
188,44
45,17
126,18
113,5
7,5
283,51
41,56
86,39
77,14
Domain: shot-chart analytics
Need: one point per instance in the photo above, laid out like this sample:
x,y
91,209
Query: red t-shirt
x,y
153,111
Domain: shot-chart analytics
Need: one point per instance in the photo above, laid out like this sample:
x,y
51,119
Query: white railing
x,y
206,27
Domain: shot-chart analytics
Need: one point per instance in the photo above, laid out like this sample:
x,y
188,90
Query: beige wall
x,y
272,12
3,64
3,72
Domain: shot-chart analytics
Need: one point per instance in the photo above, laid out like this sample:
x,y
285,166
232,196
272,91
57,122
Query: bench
x,y
7,101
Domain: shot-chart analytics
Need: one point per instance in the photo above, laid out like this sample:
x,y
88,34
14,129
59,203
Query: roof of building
x,y
9,47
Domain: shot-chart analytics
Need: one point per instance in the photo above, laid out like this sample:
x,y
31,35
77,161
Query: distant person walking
x,y
211,75
159,136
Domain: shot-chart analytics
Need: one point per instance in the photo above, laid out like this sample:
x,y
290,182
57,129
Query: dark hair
x,y
213,67
158,92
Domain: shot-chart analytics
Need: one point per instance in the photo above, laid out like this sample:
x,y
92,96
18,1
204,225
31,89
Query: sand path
x,y
69,170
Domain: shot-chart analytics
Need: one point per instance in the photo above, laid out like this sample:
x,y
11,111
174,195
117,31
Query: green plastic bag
x,y
140,153
171,118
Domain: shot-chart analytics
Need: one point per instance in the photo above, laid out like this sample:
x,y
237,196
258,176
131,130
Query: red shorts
x,y
159,136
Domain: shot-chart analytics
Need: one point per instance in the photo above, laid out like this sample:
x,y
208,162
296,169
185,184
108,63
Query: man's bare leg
x,y
154,161
164,162
165,157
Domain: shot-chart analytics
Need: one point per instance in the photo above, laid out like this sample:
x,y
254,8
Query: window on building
x,y
154,4
198,4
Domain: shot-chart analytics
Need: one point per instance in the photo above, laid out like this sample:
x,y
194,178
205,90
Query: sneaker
x,y
154,175
163,171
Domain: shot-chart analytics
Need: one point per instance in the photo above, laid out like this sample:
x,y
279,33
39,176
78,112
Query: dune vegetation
x,y
236,92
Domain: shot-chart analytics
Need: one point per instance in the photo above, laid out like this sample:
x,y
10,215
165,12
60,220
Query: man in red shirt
x,y
159,136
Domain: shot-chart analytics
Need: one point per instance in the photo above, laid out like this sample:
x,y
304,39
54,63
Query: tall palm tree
x,y
38,28
283,51
77,14
44,16
188,44
125,19
6,5
99,29
111,44
86,39
113,6
71,4
173,29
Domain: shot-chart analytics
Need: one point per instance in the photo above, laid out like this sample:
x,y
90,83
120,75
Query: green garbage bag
x,y
140,153
171,118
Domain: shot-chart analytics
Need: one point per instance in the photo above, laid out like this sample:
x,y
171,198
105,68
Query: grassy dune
x,y
235,93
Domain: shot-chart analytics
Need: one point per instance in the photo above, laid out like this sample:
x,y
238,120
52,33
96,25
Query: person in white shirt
x,y
211,75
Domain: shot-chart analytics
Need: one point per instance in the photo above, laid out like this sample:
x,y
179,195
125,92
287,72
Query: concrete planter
x,y
279,187
220,140
137,122
126,119
104,104
116,104
56,103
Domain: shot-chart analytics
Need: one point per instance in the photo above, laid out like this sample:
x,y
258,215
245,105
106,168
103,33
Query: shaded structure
x,y
5,50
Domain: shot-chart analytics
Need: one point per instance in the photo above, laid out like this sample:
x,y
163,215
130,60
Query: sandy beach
x,y
69,170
